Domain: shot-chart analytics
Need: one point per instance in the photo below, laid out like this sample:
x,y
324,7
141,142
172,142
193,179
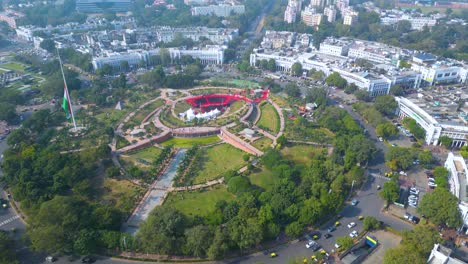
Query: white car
x,y
414,191
413,204
337,245
353,234
351,225
412,197
310,244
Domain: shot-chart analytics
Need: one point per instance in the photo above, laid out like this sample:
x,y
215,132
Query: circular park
x,y
187,140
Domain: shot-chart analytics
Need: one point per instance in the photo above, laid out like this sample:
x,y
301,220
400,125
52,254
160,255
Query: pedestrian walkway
x,y
157,192
9,220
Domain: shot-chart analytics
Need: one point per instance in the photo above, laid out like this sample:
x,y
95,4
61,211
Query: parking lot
x,y
386,240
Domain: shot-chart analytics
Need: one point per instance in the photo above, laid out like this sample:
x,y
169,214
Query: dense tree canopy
x,y
386,105
441,207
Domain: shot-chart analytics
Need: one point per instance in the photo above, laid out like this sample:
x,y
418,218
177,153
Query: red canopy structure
x,y
220,100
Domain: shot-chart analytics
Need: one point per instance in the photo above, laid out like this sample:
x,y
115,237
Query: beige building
x,y
310,17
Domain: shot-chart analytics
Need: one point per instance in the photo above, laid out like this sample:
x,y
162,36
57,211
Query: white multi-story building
x,y
290,15
439,72
374,51
197,2
458,181
292,10
310,17
211,55
334,46
342,5
216,35
442,255
350,18
443,119
417,23
218,10
330,13
317,3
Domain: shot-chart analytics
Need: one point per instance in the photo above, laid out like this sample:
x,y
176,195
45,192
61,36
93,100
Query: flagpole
x,y
66,90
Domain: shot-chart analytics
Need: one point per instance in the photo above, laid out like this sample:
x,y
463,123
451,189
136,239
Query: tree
x,y
271,65
294,229
441,207
335,79
296,69
362,95
163,231
316,75
292,90
7,112
386,105
58,224
198,240
219,247
390,191
124,66
414,128
397,90
371,223
7,249
401,157
165,57
48,44
351,88
345,242
404,64
317,95
445,141
440,171
421,239
425,157
402,254
238,185
386,130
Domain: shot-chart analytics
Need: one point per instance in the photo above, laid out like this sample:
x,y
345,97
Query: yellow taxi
x,y
273,255
337,223
360,217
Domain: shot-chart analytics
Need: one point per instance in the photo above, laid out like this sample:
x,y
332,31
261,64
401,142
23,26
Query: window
x,y
447,74
454,73
439,75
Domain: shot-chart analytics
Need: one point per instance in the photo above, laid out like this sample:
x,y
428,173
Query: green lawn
x,y
122,142
263,178
13,66
269,118
190,142
217,160
262,143
429,9
198,203
121,193
140,115
302,154
148,154
181,107
111,116
236,106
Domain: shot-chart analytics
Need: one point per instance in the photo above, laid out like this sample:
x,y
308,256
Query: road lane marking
x,y
9,220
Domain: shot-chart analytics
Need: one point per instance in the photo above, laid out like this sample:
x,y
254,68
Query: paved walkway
x,y
156,194
236,142
197,186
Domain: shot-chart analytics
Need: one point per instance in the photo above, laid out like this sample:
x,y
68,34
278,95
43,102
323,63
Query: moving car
x,y
327,236
331,229
88,259
351,225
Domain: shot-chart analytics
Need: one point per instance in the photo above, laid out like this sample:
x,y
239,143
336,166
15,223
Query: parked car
x,y
50,259
407,216
331,229
351,225
88,259
415,220
337,245
414,191
354,202
353,234
327,236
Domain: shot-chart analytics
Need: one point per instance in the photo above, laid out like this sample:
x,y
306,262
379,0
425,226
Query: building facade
x,y
458,181
218,10
434,130
100,6
330,13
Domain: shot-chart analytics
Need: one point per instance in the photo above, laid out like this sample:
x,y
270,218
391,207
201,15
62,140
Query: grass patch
x,y
217,160
302,154
140,115
308,132
262,143
121,142
110,116
279,100
122,194
13,66
169,120
442,10
198,203
190,142
269,118
236,106
181,107
239,83
148,154
263,178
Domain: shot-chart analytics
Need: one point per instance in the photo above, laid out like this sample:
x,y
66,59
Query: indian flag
x,y
66,105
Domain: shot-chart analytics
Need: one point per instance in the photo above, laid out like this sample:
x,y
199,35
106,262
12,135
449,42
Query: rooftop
x,y
444,105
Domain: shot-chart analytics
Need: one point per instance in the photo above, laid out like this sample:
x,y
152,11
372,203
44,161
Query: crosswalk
x,y
379,176
9,220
